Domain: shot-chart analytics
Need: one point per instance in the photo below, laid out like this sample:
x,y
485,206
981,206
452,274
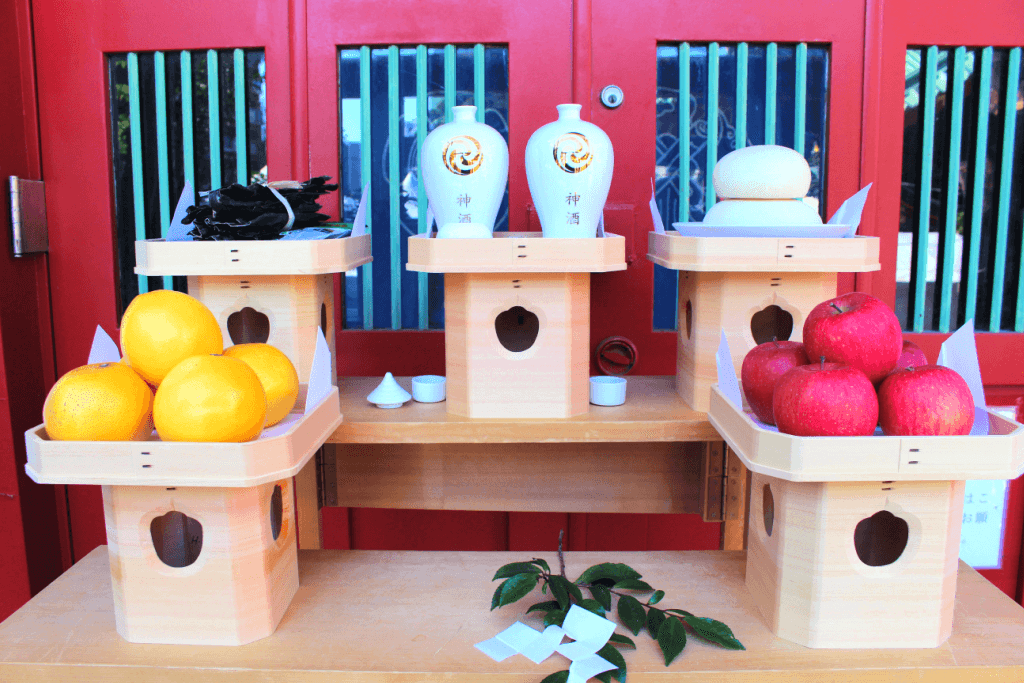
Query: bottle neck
x,y
569,111
464,113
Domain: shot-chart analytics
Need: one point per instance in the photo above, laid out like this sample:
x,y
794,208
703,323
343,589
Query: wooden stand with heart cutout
x,y
753,288
517,320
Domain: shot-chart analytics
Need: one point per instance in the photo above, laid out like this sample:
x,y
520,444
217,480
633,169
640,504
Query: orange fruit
x,y
210,398
276,373
99,402
160,329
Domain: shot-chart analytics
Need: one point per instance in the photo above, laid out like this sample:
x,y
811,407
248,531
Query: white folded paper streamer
x,y
958,352
359,224
103,350
177,231
850,211
589,632
659,224
319,374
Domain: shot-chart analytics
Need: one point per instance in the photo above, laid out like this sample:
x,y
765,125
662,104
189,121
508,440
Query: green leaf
x,y
614,657
559,592
632,614
680,612
714,632
625,641
605,677
516,568
496,599
541,563
592,606
544,588
557,677
654,621
608,570
633,585
556,617
543,606
518,587
602,595
671,639
656,598
571,588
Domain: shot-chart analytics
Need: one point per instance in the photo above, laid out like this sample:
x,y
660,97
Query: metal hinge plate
x,y
28,216
327,477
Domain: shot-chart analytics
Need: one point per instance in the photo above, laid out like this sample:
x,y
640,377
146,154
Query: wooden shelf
x,y
385,617
517,252
653,412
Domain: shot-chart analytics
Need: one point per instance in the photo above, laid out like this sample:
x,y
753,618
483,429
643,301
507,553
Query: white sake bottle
x,y
465,170
569,165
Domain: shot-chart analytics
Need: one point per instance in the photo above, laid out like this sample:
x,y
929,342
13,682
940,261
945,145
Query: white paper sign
x,y
659,224
359,224
319,374
850,211
103,350
178,231
960,353
728,384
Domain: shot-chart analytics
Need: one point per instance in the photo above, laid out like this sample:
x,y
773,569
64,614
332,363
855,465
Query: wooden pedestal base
x,y
516,344
284,311
740,304
812,556
201,566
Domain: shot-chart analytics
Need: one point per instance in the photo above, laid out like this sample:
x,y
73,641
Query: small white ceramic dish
x,y
464,230
607,391
428,388
389,393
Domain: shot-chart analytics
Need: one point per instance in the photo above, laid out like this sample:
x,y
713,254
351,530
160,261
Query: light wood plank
x,y
736,504
517,252
411,617
660,478
652,412
307,508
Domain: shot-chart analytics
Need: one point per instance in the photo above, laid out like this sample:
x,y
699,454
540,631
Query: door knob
x,y
611,96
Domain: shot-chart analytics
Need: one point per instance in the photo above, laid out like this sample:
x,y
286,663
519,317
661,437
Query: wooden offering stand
x,y
517,319
200,536
854,541
753,288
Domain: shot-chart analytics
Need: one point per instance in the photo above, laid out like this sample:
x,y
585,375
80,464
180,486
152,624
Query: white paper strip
x,y
850,211
583,669
103,350
319,374
430,220
589,632
359,224
544,646
178,231
960,353
728,384
495,649
659,224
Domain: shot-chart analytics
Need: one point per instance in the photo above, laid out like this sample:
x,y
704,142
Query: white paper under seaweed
x,y
960,353
103,350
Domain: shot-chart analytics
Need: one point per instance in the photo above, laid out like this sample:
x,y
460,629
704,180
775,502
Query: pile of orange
x,y
173,346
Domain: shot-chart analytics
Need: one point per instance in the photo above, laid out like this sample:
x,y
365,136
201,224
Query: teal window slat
x,y
161,139
962,205
390,98
799,120
213,100
742,57
771,80
241,143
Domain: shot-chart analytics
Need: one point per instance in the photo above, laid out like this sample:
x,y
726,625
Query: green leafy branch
x,y
668,627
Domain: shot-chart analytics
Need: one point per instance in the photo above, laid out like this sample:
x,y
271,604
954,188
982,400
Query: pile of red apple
x,y
851,373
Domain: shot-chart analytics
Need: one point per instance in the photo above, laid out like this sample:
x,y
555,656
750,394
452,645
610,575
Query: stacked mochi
x,y
763,185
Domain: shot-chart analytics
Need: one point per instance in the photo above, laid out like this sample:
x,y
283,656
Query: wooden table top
x,y
413,617
653,412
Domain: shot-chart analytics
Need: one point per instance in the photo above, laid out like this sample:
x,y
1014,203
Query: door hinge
x,y
327,476
714,481
28,216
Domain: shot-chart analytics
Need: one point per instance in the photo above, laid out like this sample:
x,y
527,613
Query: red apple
x,y
855,329
825,399
925,401
911,356
762,367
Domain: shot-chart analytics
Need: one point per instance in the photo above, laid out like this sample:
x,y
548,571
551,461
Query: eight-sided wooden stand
x,y
732,283
517,320
854,541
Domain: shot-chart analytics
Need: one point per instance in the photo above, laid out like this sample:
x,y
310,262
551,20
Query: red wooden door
x,y
75,137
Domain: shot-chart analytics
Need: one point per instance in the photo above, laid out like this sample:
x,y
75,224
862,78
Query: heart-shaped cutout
x,y
177,538
772,323
768,509
689,318
880,539
517,329
276,512
248,326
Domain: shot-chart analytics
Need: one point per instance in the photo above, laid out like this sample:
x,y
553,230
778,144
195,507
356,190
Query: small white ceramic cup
x,y
428,388
464,231
607,391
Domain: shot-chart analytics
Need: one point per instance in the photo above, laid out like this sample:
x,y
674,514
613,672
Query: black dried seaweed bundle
x,y
238,212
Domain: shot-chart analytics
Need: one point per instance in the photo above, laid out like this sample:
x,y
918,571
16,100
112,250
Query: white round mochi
x,y
761,212
762,172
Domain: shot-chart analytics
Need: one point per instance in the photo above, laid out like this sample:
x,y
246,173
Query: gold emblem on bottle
x,y
572,152
462,155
